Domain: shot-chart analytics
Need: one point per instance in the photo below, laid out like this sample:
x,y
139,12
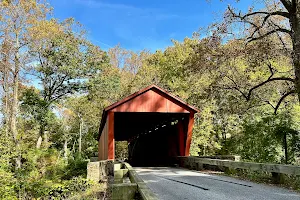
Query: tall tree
x,y
5,67
65,61
17,17
281,19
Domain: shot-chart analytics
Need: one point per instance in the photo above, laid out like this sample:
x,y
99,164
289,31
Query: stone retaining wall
x,y
101,171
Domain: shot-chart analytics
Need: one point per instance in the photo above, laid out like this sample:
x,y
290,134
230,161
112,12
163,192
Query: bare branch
x,y
270,79
269,103
282,98
240,17
257,28
55,88
268,15
271,70
279,13
236,87
267,81
283,30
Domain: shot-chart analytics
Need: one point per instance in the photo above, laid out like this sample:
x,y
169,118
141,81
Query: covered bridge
x,y
156,124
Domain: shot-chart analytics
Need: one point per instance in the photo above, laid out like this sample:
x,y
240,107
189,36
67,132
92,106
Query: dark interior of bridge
x,y
153,138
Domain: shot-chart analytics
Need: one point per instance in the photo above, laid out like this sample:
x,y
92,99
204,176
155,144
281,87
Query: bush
x,y
68,188
7,182
47,189
77,166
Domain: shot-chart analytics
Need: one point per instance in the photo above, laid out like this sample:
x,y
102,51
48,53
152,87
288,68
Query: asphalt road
x,y
181,184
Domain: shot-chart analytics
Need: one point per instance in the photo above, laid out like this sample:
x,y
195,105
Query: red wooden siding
x,y
111,139
150,101
103,145
189,134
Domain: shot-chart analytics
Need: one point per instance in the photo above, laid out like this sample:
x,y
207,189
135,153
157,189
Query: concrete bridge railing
x,y
276,169
123,181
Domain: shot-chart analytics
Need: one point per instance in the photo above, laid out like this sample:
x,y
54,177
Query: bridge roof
x,y
127,102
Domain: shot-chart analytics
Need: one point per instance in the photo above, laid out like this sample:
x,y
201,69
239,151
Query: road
x,y
182,184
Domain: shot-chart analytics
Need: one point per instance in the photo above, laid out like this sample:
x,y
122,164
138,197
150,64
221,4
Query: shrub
x,y
76,167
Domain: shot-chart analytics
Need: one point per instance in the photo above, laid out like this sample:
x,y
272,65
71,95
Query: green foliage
x,y
8,183
76,167
8,180
35,107
262,139
264,149
204,138
121,150
68,188
46,189
46,174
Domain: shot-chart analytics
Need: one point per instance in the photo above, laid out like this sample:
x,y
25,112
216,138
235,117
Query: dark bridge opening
x,y
153,138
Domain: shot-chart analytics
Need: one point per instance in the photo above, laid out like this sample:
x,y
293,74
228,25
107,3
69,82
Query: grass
x,y
96,191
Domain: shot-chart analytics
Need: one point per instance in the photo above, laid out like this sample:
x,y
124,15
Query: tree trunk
x,y
295,25
80,135
285,145
6,100
46,138
66,149
39,142
42,137
14,108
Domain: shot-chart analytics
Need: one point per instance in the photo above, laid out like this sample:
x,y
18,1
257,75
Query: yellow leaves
x,y
28,5
295,114
45,29
203,81
5,3
68,113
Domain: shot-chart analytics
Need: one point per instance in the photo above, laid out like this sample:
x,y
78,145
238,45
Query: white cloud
x,y
94,3
129,10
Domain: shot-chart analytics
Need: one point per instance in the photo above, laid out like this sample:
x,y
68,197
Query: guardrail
x,y
223,157
276,169
143,189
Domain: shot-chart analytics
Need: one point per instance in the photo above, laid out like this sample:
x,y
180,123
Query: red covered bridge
x,y
156,124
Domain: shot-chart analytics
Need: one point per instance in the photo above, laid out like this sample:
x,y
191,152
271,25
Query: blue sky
x,y
141,24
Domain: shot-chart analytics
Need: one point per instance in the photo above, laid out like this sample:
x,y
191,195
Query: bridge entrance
x,y
156,125
152,138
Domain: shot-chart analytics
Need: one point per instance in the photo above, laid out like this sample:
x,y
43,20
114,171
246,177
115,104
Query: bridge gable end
x,y
152,101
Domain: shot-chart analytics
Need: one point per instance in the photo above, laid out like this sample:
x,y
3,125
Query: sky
x,y
141,24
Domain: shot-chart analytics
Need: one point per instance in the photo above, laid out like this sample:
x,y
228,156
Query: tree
x,y
79,108
64,62
35,107
282,20
5,67
17,17
128,64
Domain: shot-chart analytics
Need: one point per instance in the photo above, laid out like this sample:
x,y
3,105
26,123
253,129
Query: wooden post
x,y
111,138
181,138
189,134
